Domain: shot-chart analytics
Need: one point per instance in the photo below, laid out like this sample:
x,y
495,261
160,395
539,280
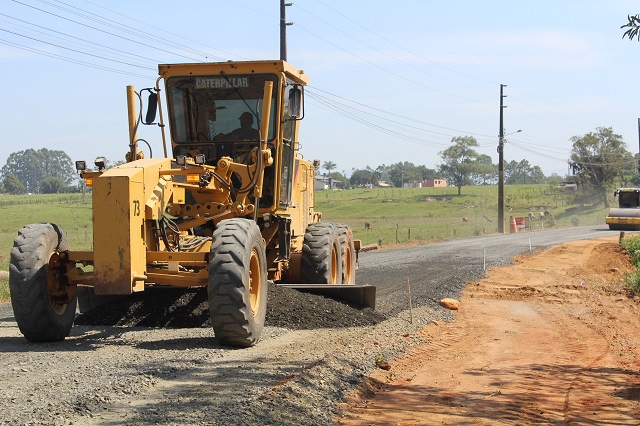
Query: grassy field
x,y
436,214
66,210
395,215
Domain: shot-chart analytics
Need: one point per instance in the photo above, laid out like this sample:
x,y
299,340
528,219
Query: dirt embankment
x,y
553,339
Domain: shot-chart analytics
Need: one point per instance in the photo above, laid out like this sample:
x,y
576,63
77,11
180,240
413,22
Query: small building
x,y
434,183
325,183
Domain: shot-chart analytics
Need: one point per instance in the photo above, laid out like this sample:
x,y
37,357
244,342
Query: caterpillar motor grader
x,y
231,208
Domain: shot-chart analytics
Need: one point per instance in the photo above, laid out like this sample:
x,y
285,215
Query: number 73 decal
x,y
136,207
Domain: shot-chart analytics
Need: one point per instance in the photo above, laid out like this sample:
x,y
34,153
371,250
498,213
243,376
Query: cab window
x,y
219,107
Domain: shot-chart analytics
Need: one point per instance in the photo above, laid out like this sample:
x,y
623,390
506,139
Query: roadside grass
x,y
632,246
65,210
420,215
4,289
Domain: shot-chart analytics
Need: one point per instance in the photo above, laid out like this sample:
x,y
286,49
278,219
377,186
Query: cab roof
x,y
234,67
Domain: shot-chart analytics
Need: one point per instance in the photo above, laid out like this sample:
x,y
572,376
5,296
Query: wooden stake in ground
x,y
410,310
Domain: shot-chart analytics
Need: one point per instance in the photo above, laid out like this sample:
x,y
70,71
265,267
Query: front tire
x,y
44,303
237,282
321,261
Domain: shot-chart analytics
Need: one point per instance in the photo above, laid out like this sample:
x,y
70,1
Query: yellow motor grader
x,y
230,207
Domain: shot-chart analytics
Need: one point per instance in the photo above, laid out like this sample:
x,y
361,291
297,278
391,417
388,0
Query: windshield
x,y
219,107
629,199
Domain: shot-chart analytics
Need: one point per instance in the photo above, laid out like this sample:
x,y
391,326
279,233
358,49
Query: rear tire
x,y
348,254
321,260
43,302
237,282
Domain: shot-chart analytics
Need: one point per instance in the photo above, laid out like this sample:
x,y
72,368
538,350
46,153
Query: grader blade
x,y
363,295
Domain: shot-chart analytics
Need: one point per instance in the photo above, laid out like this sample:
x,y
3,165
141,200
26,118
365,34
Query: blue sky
x,y
389,81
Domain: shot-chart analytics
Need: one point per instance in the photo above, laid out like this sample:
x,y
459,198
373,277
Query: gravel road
x,y
313,350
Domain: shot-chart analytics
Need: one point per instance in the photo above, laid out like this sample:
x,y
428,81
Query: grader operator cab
x,y
627,215
231,208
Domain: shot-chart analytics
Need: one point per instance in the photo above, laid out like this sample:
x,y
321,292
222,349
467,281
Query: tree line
x,y
599,161
41,171
461,166
38,171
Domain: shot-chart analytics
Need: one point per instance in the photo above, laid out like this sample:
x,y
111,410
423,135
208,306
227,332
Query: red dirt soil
x,y
552,339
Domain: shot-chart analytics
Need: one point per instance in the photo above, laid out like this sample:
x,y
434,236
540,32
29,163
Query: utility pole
x,y
636,162
501,165
283,29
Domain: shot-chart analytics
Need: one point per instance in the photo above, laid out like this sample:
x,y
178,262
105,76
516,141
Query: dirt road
x,y
553,339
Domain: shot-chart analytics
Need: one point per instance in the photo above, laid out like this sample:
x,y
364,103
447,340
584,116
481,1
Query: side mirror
x,y
294,104
152,107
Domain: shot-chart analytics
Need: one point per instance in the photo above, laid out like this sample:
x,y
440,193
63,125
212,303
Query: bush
x,y
4,290
12,184
53,185
632,246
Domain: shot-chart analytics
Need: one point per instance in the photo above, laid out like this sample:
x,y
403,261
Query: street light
x,y
501,176
402,181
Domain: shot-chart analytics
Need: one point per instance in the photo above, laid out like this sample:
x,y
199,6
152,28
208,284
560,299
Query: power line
x,y
402,116
403,47
74,37
67,59
164,30
379,50
393,73
355,117
77,51
103,31
585,163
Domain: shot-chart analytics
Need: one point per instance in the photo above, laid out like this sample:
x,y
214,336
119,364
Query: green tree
x,y
522,173
12,184
427,173
554,179
460,162
112,164
633,27
598,159
382,171
53,185
401,173
337,176
328,166
537,175
31,167
485,172
362,177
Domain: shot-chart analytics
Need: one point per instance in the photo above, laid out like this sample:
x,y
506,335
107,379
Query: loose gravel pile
x,y
188,308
